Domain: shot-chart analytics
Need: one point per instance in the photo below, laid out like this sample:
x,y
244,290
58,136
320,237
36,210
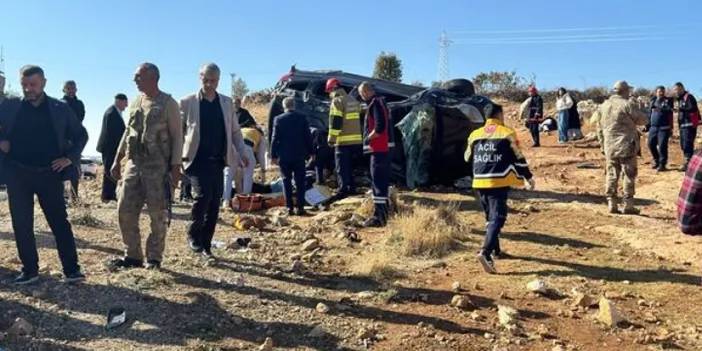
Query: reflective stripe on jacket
x,y
497,160
344,120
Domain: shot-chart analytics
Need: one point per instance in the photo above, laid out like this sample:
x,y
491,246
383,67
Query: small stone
x,y
456,286
322,308
366,333
542,330
507,315
617,252
310,245
317,332
489,336
583,300
267,345
476,316
20,327
297,266
608,314
537,286
462,302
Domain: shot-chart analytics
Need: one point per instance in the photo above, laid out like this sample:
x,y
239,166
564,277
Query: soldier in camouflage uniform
x,y
618,121
153,145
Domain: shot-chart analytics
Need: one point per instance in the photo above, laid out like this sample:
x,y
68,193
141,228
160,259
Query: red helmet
x,y
332,83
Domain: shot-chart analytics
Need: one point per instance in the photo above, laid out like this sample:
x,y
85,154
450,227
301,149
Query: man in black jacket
x,y
660,128
291,145
69,96
41,138
688,120
108,143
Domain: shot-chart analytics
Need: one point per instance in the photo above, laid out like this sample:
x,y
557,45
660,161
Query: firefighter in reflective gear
x,y
344,134
618,119
377,141
498,164
152,145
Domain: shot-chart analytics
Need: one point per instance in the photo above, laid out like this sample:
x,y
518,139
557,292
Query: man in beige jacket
x,y
211,136
618,121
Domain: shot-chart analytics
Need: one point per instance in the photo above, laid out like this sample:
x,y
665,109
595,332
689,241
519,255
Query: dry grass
x,y
430,232
377,265
259,112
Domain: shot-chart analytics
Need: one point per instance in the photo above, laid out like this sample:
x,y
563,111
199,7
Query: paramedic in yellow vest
x,y
344,134
498,164
152,145
255,149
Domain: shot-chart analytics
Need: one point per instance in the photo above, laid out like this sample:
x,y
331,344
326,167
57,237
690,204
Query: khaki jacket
x,y
618,119
190,115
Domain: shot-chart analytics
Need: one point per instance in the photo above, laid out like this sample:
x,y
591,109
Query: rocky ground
x,y
578,278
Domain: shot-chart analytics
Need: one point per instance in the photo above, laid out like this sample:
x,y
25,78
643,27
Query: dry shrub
x,y
377,265
431,232
259,112
83,215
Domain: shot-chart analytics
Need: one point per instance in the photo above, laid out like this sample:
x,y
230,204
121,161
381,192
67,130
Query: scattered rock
x,y
366,333
462,302
456,286
280,221
20,327
608,314
537,286
583,300
476,316
267,345
507,315
297,266
322,308
310,245
317,332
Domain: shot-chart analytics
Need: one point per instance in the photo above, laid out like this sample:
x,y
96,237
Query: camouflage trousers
x,y
142,185
626,169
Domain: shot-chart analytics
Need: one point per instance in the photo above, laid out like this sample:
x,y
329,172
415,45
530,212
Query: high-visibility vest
x,y
344,120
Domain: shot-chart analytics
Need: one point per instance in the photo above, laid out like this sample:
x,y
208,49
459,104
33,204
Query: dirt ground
x,y
561,233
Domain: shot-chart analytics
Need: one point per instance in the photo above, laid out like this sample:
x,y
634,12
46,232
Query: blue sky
x,y
569,43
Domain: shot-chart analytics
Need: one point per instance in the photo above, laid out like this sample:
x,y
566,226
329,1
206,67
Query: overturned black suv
x,y
431,125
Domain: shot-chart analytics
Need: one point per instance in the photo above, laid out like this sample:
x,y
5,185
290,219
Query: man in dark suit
x,y
70,89
41,139
110,136
291,145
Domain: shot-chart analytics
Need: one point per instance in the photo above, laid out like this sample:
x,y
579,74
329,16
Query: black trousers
x,y
293,170
534,131
658,145
109,186
380,176
344,168
687,141
207,187
494,203
22,184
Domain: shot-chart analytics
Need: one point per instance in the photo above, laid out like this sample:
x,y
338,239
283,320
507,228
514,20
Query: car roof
x,y
381,86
